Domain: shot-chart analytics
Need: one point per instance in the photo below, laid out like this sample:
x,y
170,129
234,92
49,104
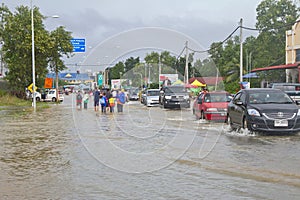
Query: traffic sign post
x,y
78,44
31,89
100,79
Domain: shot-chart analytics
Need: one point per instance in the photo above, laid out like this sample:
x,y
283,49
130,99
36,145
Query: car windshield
x,y
217,98
153,93
175,90
269,97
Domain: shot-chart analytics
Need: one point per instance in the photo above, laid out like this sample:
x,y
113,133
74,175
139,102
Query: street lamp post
x,y
33,56
33,59
141,84
159,70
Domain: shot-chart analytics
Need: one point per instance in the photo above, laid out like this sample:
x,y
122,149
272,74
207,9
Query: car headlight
x,y
186,97
298,112
212,110
253,112
167,97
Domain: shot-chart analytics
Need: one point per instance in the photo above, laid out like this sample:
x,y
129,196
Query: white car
x,y
50,95
152,97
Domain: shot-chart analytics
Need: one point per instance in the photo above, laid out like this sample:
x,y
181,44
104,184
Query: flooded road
x,y
142,153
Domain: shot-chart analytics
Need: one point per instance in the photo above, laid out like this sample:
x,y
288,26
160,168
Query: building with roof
x,y
210,81
292,50
292,56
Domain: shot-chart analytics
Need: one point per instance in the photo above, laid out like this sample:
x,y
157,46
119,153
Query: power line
x,y
181,53
220,44
276,27
250,29
243,27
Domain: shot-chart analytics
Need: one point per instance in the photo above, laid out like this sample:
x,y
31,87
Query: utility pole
x,y
56,82
186,76
159,71
149,76
241,50
1,41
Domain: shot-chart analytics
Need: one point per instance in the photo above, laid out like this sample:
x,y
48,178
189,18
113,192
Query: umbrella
x,y
190,86
178,82
198,83
251,75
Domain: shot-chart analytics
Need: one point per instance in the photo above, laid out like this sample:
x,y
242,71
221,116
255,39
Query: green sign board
x,y
100,79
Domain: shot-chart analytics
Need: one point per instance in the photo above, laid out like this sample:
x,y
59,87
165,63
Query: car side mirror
x,y
229,99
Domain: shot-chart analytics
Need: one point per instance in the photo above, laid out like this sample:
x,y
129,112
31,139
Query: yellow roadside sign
x,y
30,88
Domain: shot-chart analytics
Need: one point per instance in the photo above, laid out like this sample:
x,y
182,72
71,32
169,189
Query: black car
x,y
174,97
264,110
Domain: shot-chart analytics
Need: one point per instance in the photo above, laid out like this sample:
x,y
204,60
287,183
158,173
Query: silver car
x,y
152,97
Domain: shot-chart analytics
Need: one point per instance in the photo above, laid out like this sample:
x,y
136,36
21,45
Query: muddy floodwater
x,y
142,153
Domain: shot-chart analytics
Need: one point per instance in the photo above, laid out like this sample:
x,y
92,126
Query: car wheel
x,y
202,115
246,125
53,99
229,122
38,99
196,116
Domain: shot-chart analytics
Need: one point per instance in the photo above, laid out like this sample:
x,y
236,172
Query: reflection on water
x,y
60,153
32,146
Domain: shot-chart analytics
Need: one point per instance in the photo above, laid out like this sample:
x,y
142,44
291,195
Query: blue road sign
x,y
78,44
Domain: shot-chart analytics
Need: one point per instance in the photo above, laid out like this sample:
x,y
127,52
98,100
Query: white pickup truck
x,y
292,89
49,95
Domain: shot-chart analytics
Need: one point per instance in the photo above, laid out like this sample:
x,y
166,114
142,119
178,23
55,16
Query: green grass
x,y
9,100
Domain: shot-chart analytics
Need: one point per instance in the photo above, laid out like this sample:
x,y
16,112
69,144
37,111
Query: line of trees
x,y
274,18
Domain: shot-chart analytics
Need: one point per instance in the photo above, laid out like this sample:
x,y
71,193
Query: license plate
x,y
281,123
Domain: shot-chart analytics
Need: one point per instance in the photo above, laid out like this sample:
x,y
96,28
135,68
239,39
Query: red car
x,y
212,105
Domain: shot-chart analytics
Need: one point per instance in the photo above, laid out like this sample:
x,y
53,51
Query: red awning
x,y
288,66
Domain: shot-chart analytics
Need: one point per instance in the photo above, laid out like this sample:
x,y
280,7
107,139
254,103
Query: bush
x,y
3,93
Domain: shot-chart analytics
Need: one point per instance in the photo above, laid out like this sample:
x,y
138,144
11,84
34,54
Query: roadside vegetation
x,y
9,98
274,18
16,51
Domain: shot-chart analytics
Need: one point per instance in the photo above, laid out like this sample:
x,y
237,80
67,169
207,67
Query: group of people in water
x,y
105,99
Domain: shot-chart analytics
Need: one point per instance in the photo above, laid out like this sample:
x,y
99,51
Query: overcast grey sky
x,y
206,21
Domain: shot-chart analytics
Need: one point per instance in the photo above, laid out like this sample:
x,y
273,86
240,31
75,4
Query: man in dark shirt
x,y
96,99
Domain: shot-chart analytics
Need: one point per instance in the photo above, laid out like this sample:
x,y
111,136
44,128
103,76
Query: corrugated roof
x,y
70,76
288,66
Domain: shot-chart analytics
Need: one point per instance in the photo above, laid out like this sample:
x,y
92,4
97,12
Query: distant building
x,y
73,78
292,56
292,50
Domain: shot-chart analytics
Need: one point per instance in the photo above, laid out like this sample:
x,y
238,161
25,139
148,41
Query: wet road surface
x,y
142,153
